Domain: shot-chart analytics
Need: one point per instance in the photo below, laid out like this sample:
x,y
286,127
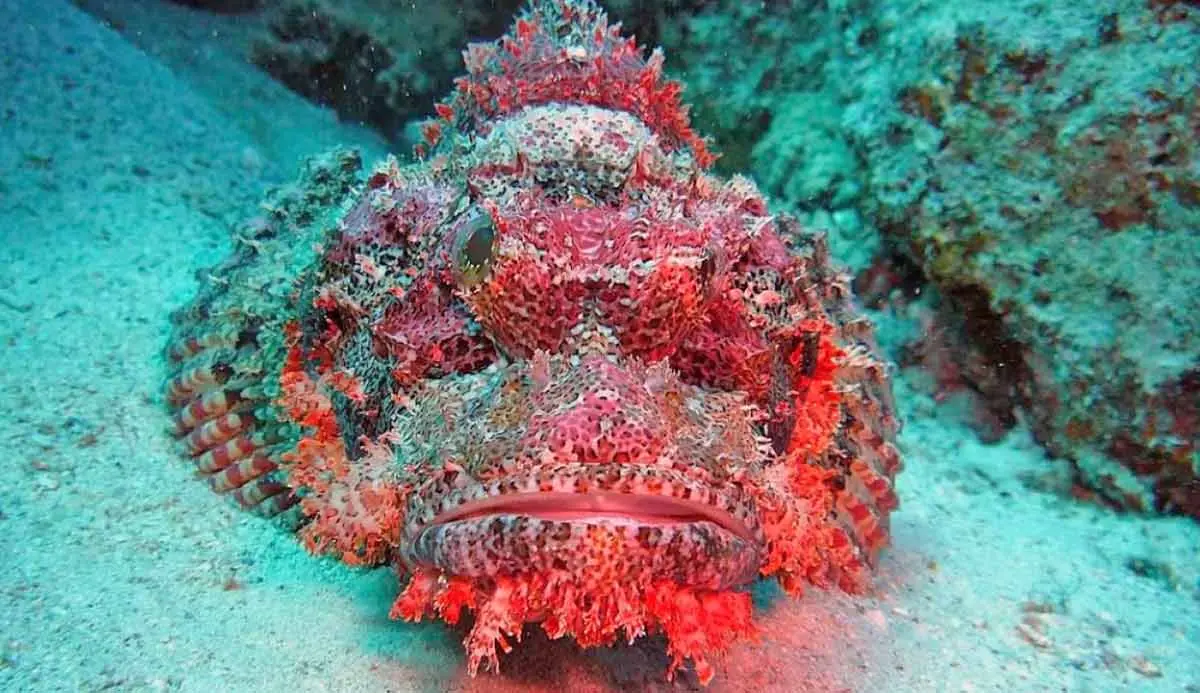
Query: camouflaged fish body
x,y
555,372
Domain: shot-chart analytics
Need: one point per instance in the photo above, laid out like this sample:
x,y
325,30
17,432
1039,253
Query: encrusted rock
x,y
1035,165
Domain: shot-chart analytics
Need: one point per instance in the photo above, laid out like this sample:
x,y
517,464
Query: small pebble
x,y
1033,637
1144,667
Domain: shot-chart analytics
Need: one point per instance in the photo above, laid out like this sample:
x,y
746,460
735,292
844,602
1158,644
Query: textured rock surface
x,y
374,61
1034,162
1059,214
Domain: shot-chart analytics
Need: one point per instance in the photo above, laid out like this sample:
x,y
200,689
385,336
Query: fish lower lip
x,y
607,506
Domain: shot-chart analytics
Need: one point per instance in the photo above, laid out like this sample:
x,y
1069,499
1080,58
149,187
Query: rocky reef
x,y
1030,167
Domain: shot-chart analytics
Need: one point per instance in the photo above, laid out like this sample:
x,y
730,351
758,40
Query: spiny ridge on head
x,y
565,51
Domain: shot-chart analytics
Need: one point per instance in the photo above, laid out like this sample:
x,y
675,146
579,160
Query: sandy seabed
x,y
123,166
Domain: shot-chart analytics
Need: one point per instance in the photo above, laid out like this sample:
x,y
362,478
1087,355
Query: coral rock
x,y
1034,164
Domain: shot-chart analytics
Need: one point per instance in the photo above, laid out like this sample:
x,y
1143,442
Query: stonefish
x,y
554,371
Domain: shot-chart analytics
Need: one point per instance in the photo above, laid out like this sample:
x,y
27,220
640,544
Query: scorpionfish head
x,y
556,372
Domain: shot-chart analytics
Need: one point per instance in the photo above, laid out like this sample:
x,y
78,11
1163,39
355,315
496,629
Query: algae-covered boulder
x,y
1034,163
1062,201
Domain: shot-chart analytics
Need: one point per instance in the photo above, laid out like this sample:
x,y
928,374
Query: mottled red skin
x,y
558,373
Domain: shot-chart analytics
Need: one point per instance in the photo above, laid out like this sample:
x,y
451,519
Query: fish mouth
x,y
620,508
646,523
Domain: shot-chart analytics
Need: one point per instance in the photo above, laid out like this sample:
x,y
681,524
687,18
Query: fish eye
x,y
474,247
708,268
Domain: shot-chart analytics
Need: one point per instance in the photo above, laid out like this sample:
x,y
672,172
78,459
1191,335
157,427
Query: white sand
x,y
118,179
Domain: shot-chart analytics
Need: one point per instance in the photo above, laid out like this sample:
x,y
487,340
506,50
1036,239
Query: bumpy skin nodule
x,y
555,372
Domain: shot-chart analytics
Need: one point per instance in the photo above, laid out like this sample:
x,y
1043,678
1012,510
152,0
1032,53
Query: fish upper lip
x,y
640,508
